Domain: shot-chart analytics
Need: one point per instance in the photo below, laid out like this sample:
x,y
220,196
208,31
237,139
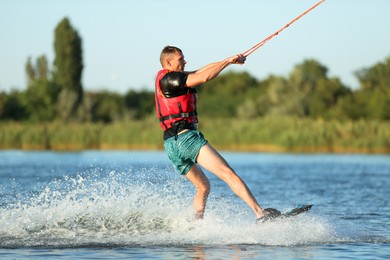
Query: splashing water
x,y
142,208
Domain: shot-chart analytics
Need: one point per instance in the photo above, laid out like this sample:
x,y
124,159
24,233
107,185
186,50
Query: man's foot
x,y
269,214
199,215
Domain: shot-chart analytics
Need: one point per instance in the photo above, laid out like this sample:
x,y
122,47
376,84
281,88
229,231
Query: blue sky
x,y
122,39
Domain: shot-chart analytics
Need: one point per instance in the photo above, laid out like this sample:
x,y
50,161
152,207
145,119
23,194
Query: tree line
x,y
56,93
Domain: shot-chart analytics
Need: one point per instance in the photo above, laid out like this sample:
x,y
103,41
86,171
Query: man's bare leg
x,y
202,185
212,161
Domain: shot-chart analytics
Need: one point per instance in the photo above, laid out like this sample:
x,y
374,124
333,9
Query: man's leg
x,y
212,161
202,184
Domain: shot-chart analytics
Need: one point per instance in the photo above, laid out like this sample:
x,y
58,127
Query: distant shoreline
x,y
230,148
276,135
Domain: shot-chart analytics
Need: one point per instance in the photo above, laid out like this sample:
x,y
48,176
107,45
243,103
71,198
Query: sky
x,y
122,39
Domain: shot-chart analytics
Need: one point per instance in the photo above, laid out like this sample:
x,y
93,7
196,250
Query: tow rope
x,y
258,45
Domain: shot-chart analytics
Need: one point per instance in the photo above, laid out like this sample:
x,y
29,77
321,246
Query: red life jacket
x,y
171,110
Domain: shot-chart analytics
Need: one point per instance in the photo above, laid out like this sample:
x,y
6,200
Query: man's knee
x,y
226,173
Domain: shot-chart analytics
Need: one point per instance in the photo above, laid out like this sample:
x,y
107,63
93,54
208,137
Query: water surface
x,y
96,204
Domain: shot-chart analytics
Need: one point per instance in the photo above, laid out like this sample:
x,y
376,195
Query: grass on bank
x,y
264,134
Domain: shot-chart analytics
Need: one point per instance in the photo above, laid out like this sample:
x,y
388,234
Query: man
x,y
186,147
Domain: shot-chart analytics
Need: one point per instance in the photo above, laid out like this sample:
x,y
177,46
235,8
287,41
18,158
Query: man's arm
x,y
212,70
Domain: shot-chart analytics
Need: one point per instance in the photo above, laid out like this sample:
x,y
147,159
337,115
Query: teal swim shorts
x,y
183,149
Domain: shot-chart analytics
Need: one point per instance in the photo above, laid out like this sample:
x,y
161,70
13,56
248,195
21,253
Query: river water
x,y
132,205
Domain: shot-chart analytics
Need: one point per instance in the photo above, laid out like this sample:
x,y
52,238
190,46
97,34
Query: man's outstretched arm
x,y
212,70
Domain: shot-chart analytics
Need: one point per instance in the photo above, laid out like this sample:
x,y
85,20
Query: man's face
x,y
177,62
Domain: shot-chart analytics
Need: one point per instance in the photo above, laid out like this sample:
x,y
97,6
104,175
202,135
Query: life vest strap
x,y
179,115
177,127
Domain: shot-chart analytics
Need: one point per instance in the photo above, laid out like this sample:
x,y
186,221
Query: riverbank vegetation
x,y
270,134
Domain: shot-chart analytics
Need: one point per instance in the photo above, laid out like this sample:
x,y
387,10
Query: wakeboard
x,y
276,214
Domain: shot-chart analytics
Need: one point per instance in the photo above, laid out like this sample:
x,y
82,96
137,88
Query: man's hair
x,y
168,50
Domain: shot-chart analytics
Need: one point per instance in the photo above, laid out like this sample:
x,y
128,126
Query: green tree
x,y
281,98
39,100
303,81
41,95
377,76
11,107
30,71
378,104
375,90
68,62
139,103
222,96
107,107
306,92
38,72
42,68
290,97
65,104
325,96
350,106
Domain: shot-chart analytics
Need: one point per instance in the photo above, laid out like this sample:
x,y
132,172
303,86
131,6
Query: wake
x,y
143,208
